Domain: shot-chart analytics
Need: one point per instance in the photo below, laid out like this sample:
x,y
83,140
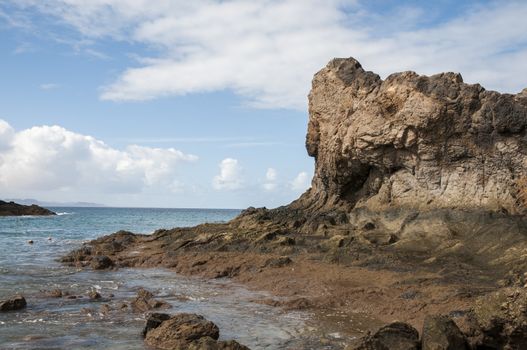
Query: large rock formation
x,y
415,141
14,209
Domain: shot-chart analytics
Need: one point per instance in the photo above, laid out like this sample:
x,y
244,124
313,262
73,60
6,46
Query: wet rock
x,y
180,331
185,332
55,293
101,262
30,241
154,320
441,333
105,309
395,336
16,303
208,343
144,301
94,295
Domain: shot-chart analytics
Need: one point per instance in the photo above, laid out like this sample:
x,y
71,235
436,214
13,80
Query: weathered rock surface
x,y
441,333
185,331
414,141
16,303
14,209
395,336
501,320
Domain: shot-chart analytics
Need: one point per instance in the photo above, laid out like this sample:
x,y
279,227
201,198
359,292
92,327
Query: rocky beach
x,y
414,222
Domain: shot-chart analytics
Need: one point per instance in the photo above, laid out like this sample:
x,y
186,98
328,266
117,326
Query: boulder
x,y
144,301
441,333
16,303
181,330
185,332
395,336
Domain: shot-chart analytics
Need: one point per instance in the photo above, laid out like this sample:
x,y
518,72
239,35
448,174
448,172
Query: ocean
x,y
60,323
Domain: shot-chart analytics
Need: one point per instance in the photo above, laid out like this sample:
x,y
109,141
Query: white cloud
x,y
230,176
267,51
48,158
270,179
300,182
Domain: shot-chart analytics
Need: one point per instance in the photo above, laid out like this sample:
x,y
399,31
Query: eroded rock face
x,y
414,141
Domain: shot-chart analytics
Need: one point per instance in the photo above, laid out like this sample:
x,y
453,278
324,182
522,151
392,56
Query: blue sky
x,y
204,104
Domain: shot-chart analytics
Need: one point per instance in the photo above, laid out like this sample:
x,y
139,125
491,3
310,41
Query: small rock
x,y
16,303
395,336
101,262
441,333
30,241
94,295
105,309
55,293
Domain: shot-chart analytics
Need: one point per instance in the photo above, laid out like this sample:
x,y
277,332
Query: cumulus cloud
x,y
230,176
300,182
270,179
53,158
267,51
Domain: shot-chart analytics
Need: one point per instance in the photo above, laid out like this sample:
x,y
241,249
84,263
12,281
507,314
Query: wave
x,y
64,213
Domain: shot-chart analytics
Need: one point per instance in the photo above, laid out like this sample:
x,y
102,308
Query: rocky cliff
x,y
415,141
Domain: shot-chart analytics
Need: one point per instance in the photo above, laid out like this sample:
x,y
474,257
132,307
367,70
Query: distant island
x,y
14,209
31,201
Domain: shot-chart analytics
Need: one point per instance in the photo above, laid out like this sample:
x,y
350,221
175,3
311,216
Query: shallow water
x,y
60,323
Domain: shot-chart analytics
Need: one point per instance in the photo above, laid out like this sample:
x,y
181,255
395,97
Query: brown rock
x,y
441,333
101,262
16,303
181,330
395,336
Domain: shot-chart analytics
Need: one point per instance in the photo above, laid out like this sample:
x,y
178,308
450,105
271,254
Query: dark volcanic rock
x,y
441,333
101,262
395,336
16,303
14,209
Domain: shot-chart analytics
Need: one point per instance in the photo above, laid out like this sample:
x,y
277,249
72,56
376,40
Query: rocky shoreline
x,y
14,209
415,215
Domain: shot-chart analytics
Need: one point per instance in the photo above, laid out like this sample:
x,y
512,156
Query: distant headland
x,y
14,209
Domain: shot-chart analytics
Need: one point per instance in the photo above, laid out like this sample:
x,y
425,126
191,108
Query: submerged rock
x,y
144,301
16,303
395,336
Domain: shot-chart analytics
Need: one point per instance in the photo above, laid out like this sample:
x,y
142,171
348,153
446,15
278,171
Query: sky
x,y
158,103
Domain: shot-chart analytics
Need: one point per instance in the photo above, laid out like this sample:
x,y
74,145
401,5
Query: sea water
x,y
61,323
